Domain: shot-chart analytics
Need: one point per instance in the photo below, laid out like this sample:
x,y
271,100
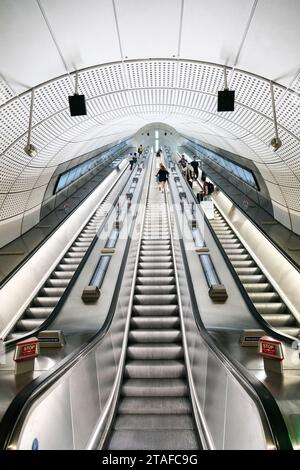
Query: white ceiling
x,y
159,52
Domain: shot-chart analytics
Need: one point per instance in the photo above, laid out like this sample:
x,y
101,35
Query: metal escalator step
x,y
290,330
45,301
248,271
77,249
154,336
155,289
243,263
154,388
155,322
234,248
239,257
155,405
155,242
279,319
155,253
57,282
154,299
52,291
171,440
155,351
155,266
38,312
28,324
253,278
155,259
67,267
155,281
230,236
151,310
154,422
72,261
155,248
75,254
62,274
264,296
155,272
258,287
270,307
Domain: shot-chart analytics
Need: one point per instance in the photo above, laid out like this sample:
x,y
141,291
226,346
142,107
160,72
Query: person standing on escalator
x,y
162,175
195,166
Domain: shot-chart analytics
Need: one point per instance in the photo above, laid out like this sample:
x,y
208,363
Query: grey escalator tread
x,y
154,388
38,312
28,324
156,368
155,289
52,291
155,405
155,299
270,307
154,422
292,331
57,282
46,301
149,310
155,281
155,322
154,351
155,336
152,440
279,319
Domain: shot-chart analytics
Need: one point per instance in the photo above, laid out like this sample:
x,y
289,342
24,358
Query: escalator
x,y
152,377
44,303
154,411
266,300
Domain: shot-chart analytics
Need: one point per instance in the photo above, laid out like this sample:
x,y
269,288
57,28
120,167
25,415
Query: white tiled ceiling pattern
x,y
44,39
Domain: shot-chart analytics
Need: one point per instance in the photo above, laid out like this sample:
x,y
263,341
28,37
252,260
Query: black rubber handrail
x,y
9,344
269,404
52,232
34,389
265,326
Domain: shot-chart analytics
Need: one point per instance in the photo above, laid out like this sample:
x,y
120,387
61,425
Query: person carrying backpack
x,y
140,150
162,175
195,166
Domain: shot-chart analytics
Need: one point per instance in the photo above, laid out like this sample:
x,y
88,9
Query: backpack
x,y
211,188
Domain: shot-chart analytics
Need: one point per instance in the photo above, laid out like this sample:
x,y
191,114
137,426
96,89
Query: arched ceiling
x,y
143,61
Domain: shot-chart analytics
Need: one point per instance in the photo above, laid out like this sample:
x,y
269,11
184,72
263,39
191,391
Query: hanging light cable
x,y
226,96
29,148
76,101
275,142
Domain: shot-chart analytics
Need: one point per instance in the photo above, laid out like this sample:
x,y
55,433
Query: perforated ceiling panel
x,y
123,97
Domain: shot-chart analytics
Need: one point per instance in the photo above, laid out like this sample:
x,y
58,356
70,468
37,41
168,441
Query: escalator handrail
x,y
265,326
17,268
9,344
263,232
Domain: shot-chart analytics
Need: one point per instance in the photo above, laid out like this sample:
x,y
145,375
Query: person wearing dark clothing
x,y
162,175
195,166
